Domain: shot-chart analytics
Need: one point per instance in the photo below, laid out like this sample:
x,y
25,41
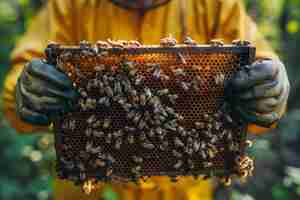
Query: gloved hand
x,y
259,92
43,93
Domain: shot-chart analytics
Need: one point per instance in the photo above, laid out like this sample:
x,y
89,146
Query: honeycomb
x,y
150,111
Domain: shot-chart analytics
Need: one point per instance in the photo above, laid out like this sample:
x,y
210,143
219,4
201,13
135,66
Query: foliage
x,y
26,160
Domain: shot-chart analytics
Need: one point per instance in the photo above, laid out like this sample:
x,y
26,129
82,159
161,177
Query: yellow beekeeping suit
x,y
70,21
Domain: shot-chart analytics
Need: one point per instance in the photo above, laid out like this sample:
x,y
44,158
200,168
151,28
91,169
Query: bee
x,y
142,136
137,118
214,139
97,124
228,118
133,93
109,172
130,129
248,143
203,154
170,111
217,125
108,138
185,86
142,124
134,43
115,44
118,143
88,132
219,79
98,134
82,92
136,170
172,98
164,145
106,123
227,181
189,41
82,176
181,58
126,85
178,142
176,154
89,146
131,114
71,124
127,107
159,131
156,72
168,41
118,133
189,151
178,164
102,44
109,91
182,131
232,146
96,150
229,136
207,164
117,88
218,114
154,101
110,159
191,164
210,153
200,125
130,139
103,54
138,81
148,93
148,145
68,164
165,77
137,159
196,146
173,179
195,86
143,99
190,140
85,44
132,72
216,43
151,133
81,166
163,92
66,56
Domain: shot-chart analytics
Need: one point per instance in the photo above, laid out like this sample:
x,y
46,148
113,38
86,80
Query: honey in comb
x,y
150,110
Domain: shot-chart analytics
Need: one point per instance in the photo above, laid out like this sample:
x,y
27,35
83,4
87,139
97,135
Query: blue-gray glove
x,y
259,92
43,93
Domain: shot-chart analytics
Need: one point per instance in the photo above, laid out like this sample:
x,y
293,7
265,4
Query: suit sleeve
x,y
52,23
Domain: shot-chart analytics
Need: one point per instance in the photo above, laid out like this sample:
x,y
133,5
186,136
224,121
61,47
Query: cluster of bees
x,y
151,123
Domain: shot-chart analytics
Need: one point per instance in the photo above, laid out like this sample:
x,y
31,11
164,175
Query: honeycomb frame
x,y
214,64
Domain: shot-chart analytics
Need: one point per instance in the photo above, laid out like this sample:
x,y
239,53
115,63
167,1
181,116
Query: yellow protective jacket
x,y
70,21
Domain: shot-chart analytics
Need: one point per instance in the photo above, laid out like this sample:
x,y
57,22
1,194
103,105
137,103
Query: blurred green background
x,y
25,165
